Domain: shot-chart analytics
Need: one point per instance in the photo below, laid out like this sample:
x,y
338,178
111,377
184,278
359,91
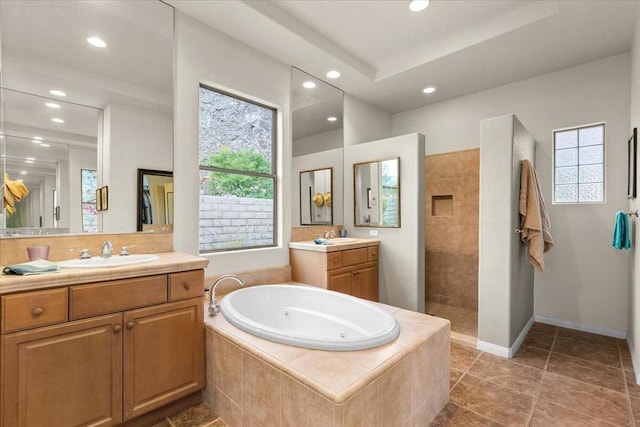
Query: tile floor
x,y
463,320
559,377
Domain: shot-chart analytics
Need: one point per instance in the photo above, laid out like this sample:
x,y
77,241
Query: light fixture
x,y
57,120
52,105
96,41
39,138
23,172
333,74
57,92
36,141
45,145
308,85
418,5
332,118
28,161
30,158
429,89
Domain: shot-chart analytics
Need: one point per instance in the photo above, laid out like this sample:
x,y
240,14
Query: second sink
x,y
114,261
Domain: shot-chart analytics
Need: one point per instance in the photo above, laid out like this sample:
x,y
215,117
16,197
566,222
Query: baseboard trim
x,y
580,327
634,360
506,352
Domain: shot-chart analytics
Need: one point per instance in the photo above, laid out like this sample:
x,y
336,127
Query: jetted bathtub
x,y
309,317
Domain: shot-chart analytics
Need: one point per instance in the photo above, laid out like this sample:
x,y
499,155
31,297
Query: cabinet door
x,y
163,355
67,375
340,280
366,281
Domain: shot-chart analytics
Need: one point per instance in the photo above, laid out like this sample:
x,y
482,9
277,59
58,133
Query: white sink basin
x,y
342,240
114,261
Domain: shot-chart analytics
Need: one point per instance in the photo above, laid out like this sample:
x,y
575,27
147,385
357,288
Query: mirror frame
x,y
139,198
330,169
355,198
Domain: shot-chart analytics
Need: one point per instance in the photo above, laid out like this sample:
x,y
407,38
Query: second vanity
x,y
349,266
101,346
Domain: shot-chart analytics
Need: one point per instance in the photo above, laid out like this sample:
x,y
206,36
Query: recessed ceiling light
x,y
333,74
28,161
418,5
57,120
30,158
52,105
57,92
36,141
308,85
96,41
429,89
23,172
45,145
332,119
39,138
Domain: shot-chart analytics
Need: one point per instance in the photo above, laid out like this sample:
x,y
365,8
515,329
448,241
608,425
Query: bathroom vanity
x,y
101,346
347,265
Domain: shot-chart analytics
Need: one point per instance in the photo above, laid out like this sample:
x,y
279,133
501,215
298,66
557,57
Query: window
x,y
89,185
579,164
237,173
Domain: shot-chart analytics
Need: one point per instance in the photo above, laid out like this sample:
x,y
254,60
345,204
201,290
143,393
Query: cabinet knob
x,y
117,328
130,325
37,311
187,286
335,260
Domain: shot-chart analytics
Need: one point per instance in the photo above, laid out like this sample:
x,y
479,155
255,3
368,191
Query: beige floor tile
x,y
455,376
163,423
547,414
453,416
543,328
532,356
588,338
462,357
635,410
597,402
196,416
632,386
492,401
539,340
587,371
582,350
625,355
504,372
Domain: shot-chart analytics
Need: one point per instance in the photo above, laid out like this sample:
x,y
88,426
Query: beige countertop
x,y
338,244
168,262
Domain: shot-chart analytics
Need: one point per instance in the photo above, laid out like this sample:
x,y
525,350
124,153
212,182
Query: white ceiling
x,y
387,53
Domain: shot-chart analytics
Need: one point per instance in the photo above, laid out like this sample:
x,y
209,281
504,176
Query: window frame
x,y
604,163
275,111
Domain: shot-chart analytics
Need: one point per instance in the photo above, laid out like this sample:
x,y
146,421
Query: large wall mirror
x,y
317,145
377,193
316,197
86,100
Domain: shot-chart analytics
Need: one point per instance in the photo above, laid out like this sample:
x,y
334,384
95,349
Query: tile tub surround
x,y
13,250
252,381
263,276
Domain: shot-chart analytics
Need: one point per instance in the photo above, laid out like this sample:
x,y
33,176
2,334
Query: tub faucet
x,y
214,307
107,248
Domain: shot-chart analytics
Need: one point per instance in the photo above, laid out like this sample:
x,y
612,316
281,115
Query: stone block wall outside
x,y
230,222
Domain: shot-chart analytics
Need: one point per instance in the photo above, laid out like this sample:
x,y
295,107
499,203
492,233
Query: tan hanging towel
x,y
534,220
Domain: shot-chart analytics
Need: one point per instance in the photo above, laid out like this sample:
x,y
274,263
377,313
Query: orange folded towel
x,y
534,221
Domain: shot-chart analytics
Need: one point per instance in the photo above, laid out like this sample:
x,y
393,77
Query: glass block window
x,y
578,164
237,173
89,185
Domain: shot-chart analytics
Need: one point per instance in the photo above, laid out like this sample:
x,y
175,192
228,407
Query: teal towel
x,y
34,267
621,231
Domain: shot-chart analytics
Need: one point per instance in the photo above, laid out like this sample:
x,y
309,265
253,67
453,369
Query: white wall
x,y
364,122
633,334
204,55
79,158
585,281
133,139
401,252
326,159
324,141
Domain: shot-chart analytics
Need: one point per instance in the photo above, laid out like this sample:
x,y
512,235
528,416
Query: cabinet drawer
x,y
189,284
32,309
117,295
354,256
372,253
334,260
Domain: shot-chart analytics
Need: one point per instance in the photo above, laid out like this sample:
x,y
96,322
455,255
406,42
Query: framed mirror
x,y
316,197
376,187
155,200
82,83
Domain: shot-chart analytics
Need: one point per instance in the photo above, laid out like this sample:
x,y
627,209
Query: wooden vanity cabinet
x,y
350,271
103,369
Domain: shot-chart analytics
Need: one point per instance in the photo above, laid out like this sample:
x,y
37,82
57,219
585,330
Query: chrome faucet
x,y
214,307
107,249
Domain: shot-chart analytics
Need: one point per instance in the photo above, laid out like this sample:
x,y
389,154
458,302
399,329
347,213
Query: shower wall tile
x,y
451,242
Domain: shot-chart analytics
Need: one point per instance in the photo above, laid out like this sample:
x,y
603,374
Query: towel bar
x,y
518,230
630,213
